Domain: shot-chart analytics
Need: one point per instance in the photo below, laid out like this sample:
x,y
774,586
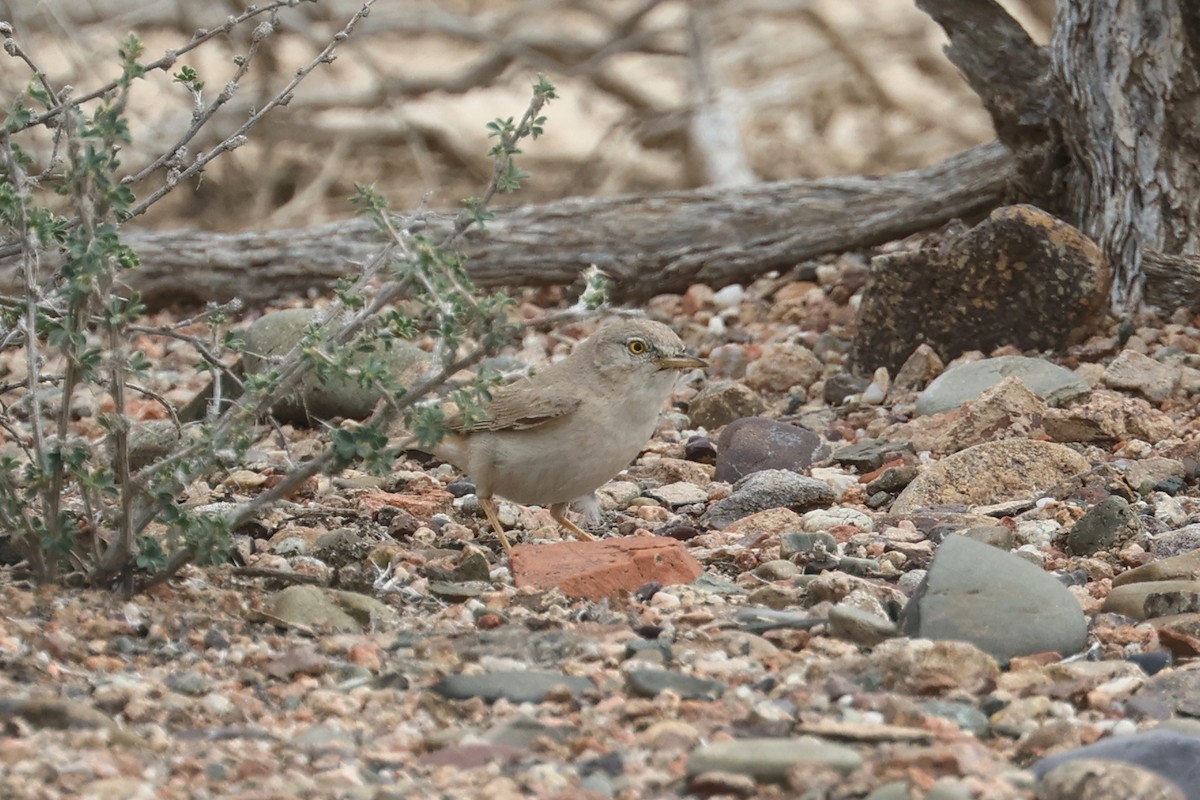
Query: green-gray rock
x,y
315,607
649,682
1052,383
995,600
770,759
274,334
1109,524
514,686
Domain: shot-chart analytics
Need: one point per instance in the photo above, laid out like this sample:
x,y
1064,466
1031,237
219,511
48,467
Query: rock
x,y
473,756
770,759
919,370
1103,779
1185,566
841,385
773,521
868,455
1176,690
1054,384
965,716
617,495
1147,474
853,624
729,296
1154,599
1133,371
1171,755
149,441
921,666
701,449
315,607
1176,542
1107,416
1020,277
512,685
759,620
894,479
753,444
783,365
601,569
275,333
995,600
773,488
778,569
1110,524
795,543
1004,411
992,472
649,682
721,402
824,519
680,493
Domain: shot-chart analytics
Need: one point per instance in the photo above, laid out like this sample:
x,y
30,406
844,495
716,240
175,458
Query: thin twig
x,y
238,137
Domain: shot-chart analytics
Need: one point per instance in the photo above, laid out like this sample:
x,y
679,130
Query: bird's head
x,y
642,347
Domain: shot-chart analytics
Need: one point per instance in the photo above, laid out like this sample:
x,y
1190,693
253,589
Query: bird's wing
x,y
517,407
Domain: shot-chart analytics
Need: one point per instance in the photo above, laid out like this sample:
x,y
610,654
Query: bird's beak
x,y
681,361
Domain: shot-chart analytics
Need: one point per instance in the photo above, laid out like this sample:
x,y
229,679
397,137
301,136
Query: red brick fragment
x,y
596,570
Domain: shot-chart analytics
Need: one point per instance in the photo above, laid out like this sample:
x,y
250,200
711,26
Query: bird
x,y
563,432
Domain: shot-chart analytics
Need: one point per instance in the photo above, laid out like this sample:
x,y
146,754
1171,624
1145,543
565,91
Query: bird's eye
x,y
636,346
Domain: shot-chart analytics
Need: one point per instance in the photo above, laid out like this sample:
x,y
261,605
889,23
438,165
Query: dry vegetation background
x,y
786,89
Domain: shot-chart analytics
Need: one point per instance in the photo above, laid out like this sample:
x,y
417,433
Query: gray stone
x,y
868,455
773,488
999,602
753,444
1154,599
274,334
514,686
1134,371
1177,690
894,479
649,682
853,624
1052,383
524,732
770,759
721,402
188,682
758,620
841,385
964,715
1146,474
993,472
1173,543
1171,755
795,543
1111,523
680,493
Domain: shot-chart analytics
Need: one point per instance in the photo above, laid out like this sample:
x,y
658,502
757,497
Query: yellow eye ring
x,y
636,347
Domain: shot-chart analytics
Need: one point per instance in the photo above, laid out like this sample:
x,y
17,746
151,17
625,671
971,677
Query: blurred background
x,y
654,96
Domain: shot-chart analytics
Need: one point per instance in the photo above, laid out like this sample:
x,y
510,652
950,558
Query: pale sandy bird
x,y
560,434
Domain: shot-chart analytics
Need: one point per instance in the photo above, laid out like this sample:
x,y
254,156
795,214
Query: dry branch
x,y
647,244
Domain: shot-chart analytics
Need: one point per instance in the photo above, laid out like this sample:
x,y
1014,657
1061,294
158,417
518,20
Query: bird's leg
x,y
489,509
559,512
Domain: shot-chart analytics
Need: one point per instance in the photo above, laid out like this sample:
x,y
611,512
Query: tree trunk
x,y
1101,125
